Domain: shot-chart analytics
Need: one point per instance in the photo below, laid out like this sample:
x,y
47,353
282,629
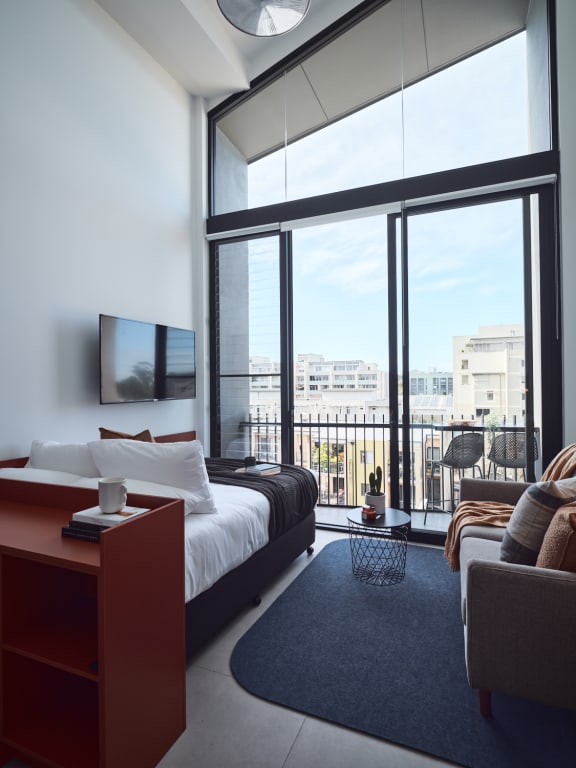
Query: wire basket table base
x,y
379,548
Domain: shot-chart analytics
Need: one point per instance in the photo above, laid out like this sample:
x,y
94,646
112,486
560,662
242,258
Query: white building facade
x,y
338,380
489,373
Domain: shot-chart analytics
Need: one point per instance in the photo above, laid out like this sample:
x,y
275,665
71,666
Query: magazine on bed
x,y
261,469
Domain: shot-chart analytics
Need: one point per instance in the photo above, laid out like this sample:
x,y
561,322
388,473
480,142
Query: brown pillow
x,y
108,434
558,548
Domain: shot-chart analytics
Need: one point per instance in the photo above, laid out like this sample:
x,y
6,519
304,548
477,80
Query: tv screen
x,y
176,363
141,361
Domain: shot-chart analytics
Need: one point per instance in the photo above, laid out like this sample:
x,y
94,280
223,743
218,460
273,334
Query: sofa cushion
x,y
472,548
532,516
492,532
558,549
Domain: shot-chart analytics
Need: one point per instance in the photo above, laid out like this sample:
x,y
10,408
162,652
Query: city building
x,y
489,373
338,380
431,383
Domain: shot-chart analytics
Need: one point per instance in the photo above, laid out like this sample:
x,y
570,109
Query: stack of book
x,y
88,524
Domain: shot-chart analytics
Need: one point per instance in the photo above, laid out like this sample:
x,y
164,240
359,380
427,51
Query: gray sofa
x,y
519,620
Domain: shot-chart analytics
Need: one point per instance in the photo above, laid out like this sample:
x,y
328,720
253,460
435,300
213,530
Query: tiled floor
x,y
229,728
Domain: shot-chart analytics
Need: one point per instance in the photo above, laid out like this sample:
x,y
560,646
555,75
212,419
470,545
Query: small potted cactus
x,y
376,497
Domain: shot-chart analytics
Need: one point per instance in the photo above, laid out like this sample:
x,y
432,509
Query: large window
x,y
472,112
406,278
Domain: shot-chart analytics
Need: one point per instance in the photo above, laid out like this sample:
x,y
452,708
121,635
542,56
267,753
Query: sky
x,y
465,265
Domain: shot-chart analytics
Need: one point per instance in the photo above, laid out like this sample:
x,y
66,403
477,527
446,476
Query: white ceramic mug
x,y
112,494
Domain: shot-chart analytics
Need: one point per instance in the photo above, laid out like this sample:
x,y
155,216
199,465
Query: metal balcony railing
x,y
343,452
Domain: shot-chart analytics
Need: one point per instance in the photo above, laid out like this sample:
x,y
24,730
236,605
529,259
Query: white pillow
x,y
62,457
32,475
178,465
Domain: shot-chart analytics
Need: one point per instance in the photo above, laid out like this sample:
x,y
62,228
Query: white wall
x,y
96,185
566,26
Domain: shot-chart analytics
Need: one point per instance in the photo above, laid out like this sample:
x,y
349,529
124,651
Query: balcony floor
x,y
335,517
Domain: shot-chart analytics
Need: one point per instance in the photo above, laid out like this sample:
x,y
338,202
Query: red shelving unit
x,y
92,646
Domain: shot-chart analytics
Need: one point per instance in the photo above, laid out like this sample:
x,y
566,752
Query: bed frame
x,y
210,611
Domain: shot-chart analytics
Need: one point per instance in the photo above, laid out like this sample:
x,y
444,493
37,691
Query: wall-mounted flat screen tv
x,y
142,362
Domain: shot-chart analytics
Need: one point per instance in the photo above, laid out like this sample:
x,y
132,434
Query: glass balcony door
x,y
374,341
467,350
300,332
341,359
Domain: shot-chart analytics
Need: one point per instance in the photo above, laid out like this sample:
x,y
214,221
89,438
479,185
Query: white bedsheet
x,y
214,543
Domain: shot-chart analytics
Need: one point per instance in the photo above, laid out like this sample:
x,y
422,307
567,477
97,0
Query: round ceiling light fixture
x,y
264,18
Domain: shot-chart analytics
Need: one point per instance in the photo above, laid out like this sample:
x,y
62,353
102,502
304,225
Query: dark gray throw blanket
x,y
292,493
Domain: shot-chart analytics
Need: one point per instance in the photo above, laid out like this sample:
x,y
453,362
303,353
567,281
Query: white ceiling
x,y
210,58
202,51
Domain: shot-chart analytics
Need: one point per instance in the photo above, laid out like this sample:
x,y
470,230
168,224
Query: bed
x,y
241,531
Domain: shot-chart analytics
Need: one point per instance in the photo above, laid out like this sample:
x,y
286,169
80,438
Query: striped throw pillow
x,y
532,516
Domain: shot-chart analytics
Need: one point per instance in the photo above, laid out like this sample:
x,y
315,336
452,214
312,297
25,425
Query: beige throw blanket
x,y
563,465
473,513
498,513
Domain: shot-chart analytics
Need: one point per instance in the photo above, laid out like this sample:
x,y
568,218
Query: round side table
x,y
378,547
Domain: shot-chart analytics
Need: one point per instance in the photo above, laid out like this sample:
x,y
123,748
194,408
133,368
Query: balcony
x,y
343,452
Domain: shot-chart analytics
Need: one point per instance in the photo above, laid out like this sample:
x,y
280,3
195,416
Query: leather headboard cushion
x,y
109,434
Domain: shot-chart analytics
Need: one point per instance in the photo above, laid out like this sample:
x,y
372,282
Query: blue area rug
x,y
389,661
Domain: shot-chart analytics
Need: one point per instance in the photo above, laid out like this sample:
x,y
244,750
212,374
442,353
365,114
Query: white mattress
x,y
214,543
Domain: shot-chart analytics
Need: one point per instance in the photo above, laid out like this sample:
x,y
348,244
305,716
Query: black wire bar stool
x,y
464,452
508,451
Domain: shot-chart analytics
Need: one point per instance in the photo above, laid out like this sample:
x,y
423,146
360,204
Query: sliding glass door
x,y
341,358
382,341
467,351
